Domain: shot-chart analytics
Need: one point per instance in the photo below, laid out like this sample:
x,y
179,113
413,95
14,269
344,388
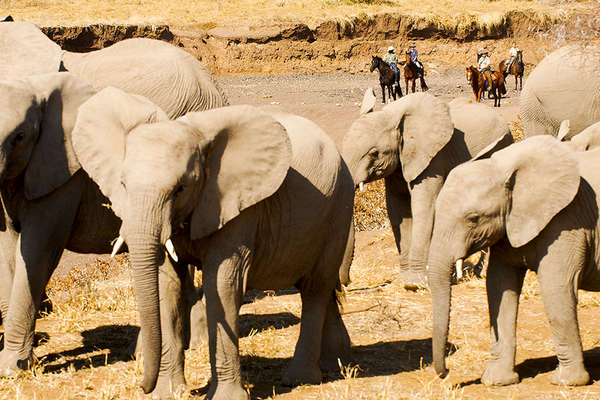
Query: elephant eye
x,y
19,136
178,189
373,153
473,218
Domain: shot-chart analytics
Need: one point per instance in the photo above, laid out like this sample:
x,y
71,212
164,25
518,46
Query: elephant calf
x,y
414,143
258,200
535,204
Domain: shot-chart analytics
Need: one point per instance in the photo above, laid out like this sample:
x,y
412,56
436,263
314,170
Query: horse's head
x,y
407,56
374,62
519,56
470,73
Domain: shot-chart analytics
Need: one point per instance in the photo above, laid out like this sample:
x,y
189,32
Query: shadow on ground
x,y
377,359
534,366
119,340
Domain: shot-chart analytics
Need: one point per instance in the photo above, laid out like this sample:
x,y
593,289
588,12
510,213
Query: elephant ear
x,y
99,137
587,139
368,102
425,127
26,51
498,144
543,178
247,157
53,161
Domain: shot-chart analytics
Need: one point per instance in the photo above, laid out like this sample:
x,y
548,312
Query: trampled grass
x,y
223,12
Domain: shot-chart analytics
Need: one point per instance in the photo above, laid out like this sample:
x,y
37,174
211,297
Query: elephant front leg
x,y
397,198
174,320
222,281
423,197
559,294
8,246
504,284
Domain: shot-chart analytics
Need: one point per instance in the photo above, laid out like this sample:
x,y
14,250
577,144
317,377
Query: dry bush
x,y
369,207
516,129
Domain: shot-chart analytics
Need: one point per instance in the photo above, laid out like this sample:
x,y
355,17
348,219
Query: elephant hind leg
x,y
335,346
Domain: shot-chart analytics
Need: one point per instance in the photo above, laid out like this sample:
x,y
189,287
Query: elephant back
x,y
564,86
169,77
26,51
481,130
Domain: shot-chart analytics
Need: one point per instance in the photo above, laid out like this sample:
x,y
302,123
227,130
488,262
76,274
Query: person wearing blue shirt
x,y
414,57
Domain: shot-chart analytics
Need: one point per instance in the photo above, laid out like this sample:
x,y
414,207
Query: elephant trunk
x,y
439,276
144,234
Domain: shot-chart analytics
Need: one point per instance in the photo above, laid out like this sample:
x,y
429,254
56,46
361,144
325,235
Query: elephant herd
x,y
264,200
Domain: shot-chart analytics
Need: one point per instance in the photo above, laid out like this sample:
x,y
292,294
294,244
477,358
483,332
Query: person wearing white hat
x,y
392,59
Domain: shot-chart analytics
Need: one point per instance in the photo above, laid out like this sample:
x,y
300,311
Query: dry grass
x,y
390,330
369,207
222,12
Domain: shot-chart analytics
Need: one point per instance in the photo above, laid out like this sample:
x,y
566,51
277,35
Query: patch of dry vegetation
x,y
179,12
370,211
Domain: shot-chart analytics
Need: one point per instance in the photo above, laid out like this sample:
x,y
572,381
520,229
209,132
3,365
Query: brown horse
x,y
387,78
412,72
517,69
477,81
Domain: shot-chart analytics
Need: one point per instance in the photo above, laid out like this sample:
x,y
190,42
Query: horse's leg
x,y
414,84
392,92
383,93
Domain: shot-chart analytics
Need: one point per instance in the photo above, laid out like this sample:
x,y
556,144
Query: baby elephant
x,y
535,203
258,200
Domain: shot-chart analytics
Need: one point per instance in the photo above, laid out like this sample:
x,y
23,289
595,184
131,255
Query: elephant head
x,y
407,133
26,51
513,194
193,175
35,130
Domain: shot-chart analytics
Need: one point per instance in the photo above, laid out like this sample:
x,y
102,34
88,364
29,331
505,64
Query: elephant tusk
x,y
459,268
171,250
361,187
117,246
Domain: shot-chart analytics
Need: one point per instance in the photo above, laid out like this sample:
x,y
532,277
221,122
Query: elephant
x,y
565,85
413,143
256,199
48,201
168,76
535,204
587,139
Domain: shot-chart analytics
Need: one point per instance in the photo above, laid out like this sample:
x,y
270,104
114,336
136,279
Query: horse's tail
x,y
424,86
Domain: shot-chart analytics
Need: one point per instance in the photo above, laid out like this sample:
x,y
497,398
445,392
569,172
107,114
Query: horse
x,y
412,72
517,68
387,78
477,81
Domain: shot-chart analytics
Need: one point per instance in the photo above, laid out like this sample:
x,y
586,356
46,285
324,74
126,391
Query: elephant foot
x,y
496,376
297,374
11,363
574,375
414,281
168,388
227,391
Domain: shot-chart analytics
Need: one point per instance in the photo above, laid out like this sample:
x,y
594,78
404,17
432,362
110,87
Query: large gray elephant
x,y
418,139
48,202
168,76
535,204
257,200
564,86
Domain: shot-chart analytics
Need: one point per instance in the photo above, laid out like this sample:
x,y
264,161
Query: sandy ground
x,y
85,344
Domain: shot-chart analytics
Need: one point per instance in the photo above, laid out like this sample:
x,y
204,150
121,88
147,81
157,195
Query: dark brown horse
x,y
517,69
412,72
387,78
477,81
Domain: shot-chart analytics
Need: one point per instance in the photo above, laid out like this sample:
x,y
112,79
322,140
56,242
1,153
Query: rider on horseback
x,y
485,67
514,52
392,59
414,57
